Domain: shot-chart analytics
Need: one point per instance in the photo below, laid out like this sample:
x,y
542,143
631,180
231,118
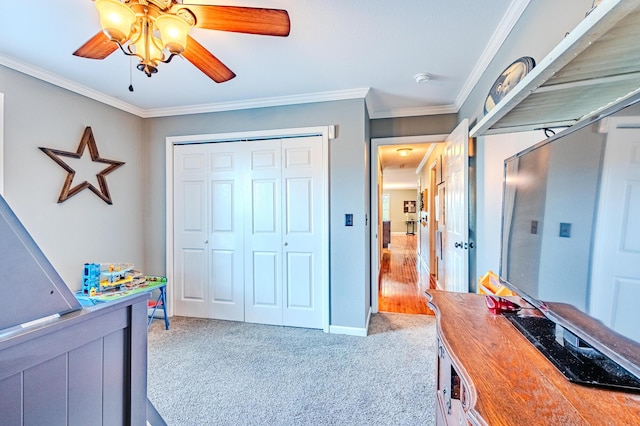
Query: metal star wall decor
x,y
86,141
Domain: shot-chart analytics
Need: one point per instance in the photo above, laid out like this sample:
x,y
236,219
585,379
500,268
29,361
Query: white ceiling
x,y
337,49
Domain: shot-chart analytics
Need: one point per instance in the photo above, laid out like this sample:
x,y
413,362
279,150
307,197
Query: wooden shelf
x,y
594,68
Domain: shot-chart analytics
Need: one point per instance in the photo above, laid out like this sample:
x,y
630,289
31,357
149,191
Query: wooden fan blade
x,y
249,20
98,47
206,62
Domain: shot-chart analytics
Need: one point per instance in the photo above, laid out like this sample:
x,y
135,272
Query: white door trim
x,y
323,131
375,164
1,143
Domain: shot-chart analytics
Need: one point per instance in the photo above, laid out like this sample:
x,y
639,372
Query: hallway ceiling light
x,y
404,152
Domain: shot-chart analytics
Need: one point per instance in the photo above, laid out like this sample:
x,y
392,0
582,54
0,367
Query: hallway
x,y
401,283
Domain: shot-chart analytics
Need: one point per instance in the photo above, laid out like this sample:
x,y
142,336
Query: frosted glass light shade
x,y
155,54
173,31
116,19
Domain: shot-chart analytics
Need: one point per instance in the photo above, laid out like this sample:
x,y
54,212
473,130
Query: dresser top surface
x,y
509,380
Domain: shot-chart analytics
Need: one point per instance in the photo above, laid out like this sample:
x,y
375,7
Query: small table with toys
x,y
108,282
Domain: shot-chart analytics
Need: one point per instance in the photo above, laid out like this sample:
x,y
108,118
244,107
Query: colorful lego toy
x,y
100,277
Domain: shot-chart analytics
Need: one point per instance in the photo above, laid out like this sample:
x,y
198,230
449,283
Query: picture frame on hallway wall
x,y
410,206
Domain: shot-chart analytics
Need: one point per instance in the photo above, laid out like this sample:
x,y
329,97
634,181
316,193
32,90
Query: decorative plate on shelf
x,y
511,76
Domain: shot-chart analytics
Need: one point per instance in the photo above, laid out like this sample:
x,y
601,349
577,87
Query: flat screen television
x,y
571,247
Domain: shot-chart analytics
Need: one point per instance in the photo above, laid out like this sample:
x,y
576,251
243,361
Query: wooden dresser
x,y
489,373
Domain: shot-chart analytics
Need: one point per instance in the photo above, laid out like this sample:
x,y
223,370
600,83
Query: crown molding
x,y
259,103
508,21
96,95
67,84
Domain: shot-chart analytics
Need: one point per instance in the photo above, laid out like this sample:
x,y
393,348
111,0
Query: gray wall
x,y
348,182
441,124
84,228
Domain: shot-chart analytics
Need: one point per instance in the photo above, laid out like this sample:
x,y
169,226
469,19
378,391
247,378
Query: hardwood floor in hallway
x,y
401,282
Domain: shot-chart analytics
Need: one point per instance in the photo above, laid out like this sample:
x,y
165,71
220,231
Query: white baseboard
x,y
351,331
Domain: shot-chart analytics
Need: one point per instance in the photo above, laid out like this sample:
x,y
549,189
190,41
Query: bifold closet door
x,y
248,231
226,244
208,226
263,233
284,232
190,230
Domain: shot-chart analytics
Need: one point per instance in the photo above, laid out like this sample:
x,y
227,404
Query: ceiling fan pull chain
x,y
130,74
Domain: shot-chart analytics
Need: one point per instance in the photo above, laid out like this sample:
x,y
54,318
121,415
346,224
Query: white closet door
x,y
225,241
208,251
263,232
249,231
302,189
190,230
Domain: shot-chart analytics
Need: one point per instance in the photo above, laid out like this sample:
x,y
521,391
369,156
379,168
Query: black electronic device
x,y
556,219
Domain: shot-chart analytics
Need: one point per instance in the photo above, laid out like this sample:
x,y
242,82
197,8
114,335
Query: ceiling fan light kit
x,y
134,26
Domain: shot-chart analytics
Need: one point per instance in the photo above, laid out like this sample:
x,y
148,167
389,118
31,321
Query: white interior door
x,y
226,231
616,275
283,232
263,233
456,199
190,231
208,231
302,231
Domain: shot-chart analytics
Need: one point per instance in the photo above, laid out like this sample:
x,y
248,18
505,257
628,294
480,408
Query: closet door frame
x,y
323,131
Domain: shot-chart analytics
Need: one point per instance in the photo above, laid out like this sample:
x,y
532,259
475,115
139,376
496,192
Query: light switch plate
x,y
565,230
348,219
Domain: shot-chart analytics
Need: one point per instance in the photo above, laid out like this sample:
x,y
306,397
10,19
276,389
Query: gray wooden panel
x,y
85,368
85,385
115,391
37,290
45,396
20,357
11,400
138,373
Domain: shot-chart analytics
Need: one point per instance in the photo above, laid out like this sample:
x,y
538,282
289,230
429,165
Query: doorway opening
x,y
402,249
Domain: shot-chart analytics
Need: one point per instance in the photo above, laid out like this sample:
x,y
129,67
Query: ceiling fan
x,y
132,26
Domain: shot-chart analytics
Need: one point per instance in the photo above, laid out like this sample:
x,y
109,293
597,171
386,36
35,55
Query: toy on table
x,y
100,277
